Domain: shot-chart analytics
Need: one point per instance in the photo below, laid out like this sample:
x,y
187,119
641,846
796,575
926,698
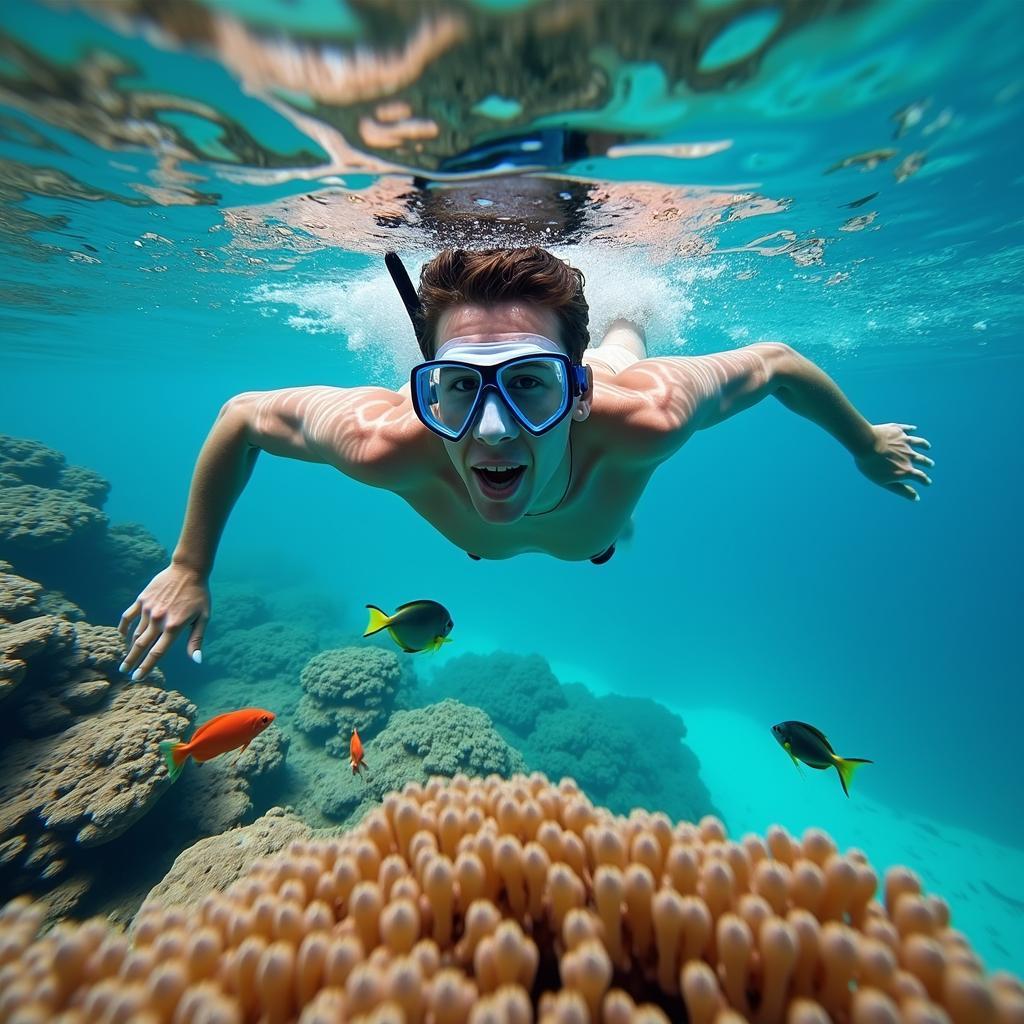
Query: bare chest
x,y
593,516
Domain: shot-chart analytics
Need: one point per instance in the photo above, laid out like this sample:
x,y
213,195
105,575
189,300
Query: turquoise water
x,y
160,254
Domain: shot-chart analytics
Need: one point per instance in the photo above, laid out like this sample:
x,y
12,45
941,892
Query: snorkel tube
x,y
411,301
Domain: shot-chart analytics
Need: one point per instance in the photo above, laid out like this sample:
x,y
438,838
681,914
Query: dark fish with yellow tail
x,y
415,626
805,743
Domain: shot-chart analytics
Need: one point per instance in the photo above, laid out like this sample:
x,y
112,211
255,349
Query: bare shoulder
x,y
659,403
644,405
379,439
369,433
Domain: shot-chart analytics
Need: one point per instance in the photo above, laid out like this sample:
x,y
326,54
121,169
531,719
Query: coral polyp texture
x,y
518,900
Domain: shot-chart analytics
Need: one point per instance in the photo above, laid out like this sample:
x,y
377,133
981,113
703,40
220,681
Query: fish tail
x,y
846,766
378,620
175,756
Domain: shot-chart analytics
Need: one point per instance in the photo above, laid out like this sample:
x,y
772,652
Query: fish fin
x,y
170,751
789,750
245,747
846,766
817,732
397,639
412,604
378,620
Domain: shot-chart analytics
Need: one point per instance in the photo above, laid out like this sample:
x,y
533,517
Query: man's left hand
x,y
893,462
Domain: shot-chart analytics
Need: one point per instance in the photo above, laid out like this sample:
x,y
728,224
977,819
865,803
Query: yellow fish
x,y
415,626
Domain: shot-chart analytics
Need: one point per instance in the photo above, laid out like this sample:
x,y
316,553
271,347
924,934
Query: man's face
x,y
495,440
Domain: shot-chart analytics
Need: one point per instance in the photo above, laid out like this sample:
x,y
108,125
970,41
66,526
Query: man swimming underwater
x,y
511,436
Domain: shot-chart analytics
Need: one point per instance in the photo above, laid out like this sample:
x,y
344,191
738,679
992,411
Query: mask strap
x,y
404,284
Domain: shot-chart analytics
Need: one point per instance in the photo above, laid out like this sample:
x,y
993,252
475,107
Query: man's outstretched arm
x,y
353,429
684,394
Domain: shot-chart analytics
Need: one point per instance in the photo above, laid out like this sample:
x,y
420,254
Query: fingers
x,y
920,475
922,460
919,442
146,634
908,427
904,491
140,627
195,640
128,616
157,651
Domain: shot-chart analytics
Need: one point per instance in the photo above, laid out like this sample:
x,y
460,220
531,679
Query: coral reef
x,y
269,650
238,609
56,669
38,523
80,765
212,864
53,530
490,900
84,786
346,688
514,689
441,739
624,751
24,599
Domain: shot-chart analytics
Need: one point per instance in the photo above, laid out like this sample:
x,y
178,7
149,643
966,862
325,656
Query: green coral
x,y
30,461
347,688
84,485
441,739
625,752
36,519
269,650
514,689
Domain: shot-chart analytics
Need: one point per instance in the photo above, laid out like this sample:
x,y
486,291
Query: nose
x,y
495,423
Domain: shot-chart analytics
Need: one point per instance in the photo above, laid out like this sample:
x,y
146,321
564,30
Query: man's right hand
x,y
176,599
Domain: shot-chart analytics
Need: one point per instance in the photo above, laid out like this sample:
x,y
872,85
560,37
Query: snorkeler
x,y
511,436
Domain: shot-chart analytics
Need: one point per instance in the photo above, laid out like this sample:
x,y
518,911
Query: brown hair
x,y
489,276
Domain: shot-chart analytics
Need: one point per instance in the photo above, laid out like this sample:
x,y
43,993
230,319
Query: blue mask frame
x,y
575,375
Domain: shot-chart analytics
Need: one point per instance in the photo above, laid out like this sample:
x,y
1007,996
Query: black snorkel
x,y
411,301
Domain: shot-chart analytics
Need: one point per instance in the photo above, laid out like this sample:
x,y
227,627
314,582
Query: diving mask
x,y
531,374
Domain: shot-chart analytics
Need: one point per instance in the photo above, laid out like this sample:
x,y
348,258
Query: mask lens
x,y
447,395
538,388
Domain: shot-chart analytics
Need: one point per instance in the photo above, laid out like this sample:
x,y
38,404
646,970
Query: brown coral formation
x,y
494,900
53,531
215,862
84,786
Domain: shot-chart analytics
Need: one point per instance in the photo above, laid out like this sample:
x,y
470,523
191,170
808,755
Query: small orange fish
x,y
226,732
355,753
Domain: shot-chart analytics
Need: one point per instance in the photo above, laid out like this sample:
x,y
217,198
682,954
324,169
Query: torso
x,y
607,479
593,514
604,489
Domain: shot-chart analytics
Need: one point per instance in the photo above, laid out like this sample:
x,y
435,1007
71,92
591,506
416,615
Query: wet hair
x,y
487,277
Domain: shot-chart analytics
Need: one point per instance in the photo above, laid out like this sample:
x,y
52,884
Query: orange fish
x,y
355,753
219,735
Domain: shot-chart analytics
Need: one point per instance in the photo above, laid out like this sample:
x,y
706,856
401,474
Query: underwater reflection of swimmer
x,y
805,743
513,435
538,150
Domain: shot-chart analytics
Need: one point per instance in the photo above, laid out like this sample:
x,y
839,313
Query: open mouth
x,y
498,481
